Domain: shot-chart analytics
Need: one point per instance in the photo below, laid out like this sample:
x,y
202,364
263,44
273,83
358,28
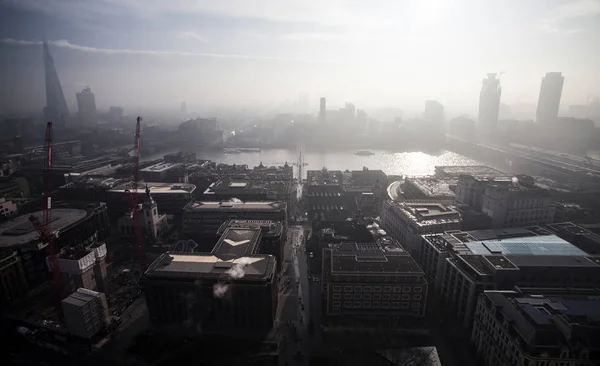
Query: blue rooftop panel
x,y
531,245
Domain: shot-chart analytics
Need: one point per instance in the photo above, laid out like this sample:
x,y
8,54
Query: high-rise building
x,y
86,105
56,106
549,100
323,110
434,111
489,103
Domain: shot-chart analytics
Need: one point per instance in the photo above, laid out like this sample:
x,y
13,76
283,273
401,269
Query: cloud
x,y
325,37
194,36
557,19
63,43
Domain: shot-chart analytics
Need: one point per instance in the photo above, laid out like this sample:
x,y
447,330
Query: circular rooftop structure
x,y
19,231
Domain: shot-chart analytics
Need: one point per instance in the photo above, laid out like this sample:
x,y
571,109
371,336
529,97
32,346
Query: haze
x,y
156,53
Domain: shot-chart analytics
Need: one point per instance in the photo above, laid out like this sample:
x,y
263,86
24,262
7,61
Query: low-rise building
x,y
230,291
461,265
7,208
538,327
429,188
406,222
163,172
248,190
86,313
582,238
203,218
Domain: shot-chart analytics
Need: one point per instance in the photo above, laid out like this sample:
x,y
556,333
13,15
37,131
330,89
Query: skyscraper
x,y
322,110
434,111
549,101
489,103
56,107
86,104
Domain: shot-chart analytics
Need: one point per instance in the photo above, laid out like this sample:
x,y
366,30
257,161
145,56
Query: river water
x,y
392,163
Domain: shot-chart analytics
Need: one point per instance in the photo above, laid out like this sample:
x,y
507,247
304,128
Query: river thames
x,y
392,163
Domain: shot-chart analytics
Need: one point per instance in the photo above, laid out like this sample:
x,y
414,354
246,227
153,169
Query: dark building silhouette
x,y
549,100
489,103
56,109
86,105
323,110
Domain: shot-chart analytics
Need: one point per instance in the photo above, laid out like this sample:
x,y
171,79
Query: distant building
x,y
230,291
406,222
181,157
434,112
429,188
489,103
86,313
537,326
461,265
248,190
13,286
115,114
163,172
323,110
7,208
56,109
86,105
203,218
549,99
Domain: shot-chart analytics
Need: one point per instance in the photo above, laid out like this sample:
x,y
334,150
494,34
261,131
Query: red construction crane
x,y
44,228
134,208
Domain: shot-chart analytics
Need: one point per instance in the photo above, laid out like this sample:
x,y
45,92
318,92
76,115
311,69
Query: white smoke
x,y
237,271
220,289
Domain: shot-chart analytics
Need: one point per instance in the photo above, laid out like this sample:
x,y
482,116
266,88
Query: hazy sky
x,y
225,52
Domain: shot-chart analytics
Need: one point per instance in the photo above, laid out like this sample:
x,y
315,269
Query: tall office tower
x,y
434,111
549,101
323,110
56,107
86,104
489,103
350,110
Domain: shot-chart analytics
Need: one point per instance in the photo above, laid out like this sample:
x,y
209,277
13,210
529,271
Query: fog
x,y
377,54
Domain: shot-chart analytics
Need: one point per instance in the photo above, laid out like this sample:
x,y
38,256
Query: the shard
x,y
56,107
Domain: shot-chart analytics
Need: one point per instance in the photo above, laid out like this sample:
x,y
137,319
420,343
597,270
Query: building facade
x,y
538,327
86,105
489,103
13,284
549,99
86,313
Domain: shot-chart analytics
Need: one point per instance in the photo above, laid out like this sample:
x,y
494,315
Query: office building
x,y
115,114
461,265
536,326
86,313
272,235
86,105
203,218
549,99
230,291
489,103
406,222
13,284
322,110
56,109
434,112
377,280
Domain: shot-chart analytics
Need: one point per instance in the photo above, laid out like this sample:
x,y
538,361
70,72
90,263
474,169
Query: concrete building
x,y
230,291
171,197
7,208
77,224
434,113
161,172
406,222
538,327
83,268
461,265
517,203
86,313
151,222
203,218
13,284
375,280
549,99
429,188
582,238
86,106
248,190
489,103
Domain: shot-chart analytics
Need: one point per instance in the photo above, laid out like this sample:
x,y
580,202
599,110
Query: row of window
x,y
405,305
405,297
416,289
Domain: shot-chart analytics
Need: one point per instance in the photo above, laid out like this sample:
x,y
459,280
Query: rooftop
x,y
379,257
424,214
19,231
160,167
532,245
205,265
267,227
94,182
248,186
234,205
236,243
157,188
474,170
80,297
434,187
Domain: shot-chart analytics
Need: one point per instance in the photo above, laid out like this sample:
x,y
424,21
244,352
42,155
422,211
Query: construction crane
x,y
134,208
44,227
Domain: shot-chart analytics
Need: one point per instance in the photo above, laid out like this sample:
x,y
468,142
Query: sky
x,y
376,53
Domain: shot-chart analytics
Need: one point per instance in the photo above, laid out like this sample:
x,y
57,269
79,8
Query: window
x,y
404,306
357,305
337,288
336,304
395,297
418,289
377,297
377,288
348,304
387,296
347,296
358,288
416,297
406,289
367,296
397,288
368,289
387,288
366,304
405,297
348,288
357,297
337,296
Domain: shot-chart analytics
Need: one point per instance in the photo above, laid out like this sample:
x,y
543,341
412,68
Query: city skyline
x,y
237,56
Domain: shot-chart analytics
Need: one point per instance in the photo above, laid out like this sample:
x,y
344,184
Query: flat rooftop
x,y
474,170
424,214
94,182
157,188
373,264
19,231
434,187
160,167
268,227
200,206
532,245
199,265
236,243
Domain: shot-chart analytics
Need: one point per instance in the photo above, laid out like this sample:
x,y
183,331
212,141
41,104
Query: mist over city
x,y
300,183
